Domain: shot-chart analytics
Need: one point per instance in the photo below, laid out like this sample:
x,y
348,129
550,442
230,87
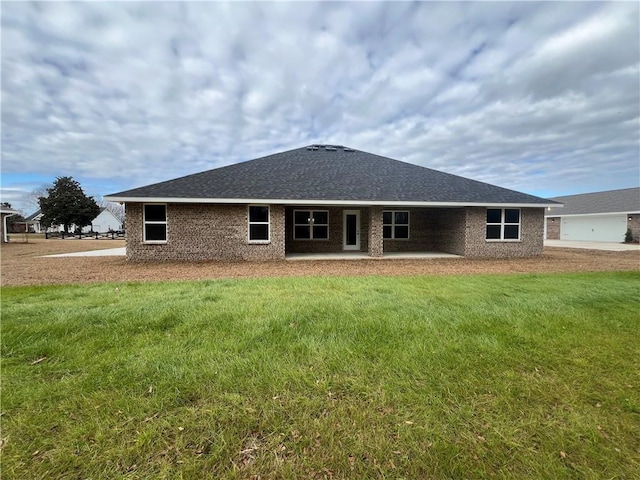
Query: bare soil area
x,y
22,264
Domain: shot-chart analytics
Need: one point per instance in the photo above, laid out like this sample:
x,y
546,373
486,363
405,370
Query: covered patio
x,y
360,232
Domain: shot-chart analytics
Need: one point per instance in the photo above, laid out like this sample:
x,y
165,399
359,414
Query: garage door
x,y
596,228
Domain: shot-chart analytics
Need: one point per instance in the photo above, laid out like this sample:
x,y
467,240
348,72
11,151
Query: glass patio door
x,y
351,230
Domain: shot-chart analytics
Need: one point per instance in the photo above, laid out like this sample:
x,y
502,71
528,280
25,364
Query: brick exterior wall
x,y
419,232
336,231
448,227
553,228
531,233
633,223
375,233
197,232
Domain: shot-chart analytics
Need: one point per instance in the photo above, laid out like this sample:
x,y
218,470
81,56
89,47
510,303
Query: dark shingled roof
x,y
331,174
33,215
626,200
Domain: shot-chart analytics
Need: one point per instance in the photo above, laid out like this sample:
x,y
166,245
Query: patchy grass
x,y
521,376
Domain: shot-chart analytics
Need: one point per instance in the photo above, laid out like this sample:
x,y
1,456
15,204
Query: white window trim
x,y
502,225
155,222
393,225
310,225
267,223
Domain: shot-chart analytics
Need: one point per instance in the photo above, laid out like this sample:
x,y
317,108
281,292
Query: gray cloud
x,y
540,97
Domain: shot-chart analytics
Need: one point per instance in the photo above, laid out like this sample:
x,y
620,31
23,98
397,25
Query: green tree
x,y
66,204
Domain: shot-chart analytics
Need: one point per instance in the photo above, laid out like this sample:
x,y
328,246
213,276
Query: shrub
x,y
628,236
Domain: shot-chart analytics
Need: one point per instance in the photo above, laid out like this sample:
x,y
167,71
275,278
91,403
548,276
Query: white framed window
x,y
311,225
395,225
154,219
259,223
503,224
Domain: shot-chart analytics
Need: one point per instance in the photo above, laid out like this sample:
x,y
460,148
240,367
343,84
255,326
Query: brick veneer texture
x,y
219,232
553,228
204,232
431,229
633,223
334,244
375,231
531,233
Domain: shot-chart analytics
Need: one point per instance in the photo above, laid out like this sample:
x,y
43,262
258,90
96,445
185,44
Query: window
x,y
258,223
395,225
503,224
155,223
310,225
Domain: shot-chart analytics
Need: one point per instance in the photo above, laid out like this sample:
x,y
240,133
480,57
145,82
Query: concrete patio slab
x,y
364,256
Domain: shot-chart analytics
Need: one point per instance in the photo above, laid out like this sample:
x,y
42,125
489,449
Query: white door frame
x,y
344,230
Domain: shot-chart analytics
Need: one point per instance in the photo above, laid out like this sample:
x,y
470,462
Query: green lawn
x,y
520,376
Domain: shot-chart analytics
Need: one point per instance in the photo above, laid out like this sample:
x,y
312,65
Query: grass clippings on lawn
x,y
499,376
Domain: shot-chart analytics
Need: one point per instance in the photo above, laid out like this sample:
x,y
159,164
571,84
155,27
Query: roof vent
x,y
329,148
312,147
347,149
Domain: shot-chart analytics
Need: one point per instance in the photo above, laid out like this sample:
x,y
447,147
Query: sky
x,y
542,98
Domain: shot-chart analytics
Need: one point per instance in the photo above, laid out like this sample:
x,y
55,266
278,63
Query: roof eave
x,y
275,201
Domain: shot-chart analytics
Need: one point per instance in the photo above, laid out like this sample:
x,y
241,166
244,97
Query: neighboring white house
x,y
104,222
596,217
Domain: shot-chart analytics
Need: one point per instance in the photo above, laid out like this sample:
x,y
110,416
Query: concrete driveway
x,y
610,246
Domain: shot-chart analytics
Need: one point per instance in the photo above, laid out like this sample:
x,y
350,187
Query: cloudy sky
x,y
538,97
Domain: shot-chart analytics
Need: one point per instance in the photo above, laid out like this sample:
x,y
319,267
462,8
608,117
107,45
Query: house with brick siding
x,y
595,216
327,199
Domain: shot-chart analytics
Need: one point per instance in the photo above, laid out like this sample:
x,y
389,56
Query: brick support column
x,y
376,242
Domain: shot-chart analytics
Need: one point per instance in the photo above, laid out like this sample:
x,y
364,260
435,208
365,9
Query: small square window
x,y
493,232
402,218
402,231
321,217
395,225
259,214
301,217
503,224
310,224
320,232
155,233
302,232
512,215
511,232
155,213
259,232
494,215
